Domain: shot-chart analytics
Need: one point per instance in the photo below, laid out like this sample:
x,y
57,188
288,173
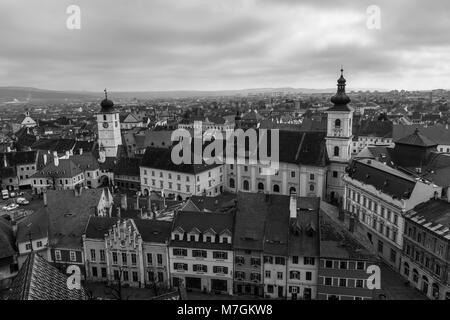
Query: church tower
x,y
108,124
339,139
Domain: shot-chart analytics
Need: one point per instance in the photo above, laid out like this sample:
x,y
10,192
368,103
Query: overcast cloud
x,y
139,45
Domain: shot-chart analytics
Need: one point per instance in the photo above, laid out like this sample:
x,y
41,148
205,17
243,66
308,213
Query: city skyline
x,y
217,45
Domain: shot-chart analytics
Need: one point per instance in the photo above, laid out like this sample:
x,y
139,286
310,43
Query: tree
x,y
115,287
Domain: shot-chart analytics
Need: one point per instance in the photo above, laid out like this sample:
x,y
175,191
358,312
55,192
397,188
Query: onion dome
x,y
340,99
106,104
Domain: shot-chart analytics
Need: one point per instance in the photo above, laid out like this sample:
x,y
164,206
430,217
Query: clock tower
x,y
338,140
108,124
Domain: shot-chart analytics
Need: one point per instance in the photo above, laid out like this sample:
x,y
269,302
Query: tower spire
x,y
106,93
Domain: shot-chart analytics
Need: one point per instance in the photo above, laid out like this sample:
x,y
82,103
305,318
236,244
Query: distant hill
x,y
23,95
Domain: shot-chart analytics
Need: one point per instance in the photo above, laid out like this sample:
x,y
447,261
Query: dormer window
x,y
208,239
224,239
192,237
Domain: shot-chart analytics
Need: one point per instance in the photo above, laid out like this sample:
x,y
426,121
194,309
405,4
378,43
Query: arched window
x,y
337,124
260,186
231,183
276,188
435,290
406,269
424,284
311,187
415,275
246,185
336,151
292,190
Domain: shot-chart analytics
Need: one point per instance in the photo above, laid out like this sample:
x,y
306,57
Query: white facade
x,y
200,268
305,181
109,132
339,143
382,216
182,184
302,277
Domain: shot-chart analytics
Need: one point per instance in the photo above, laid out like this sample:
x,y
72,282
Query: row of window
x,y
220,255
169,175
426,240
253,261
61,181
345,265
196,238
199,268
373,206
344,282
241,276
421,258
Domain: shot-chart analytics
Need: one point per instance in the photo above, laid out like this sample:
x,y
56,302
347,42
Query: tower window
x,y
104,117
336,151
337,123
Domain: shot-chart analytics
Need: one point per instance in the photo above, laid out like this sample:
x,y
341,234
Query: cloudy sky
x,y
224,44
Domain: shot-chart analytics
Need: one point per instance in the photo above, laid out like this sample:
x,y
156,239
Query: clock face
x,y
105,124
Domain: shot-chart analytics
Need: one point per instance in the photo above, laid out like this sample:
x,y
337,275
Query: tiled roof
x,y
304,239
153,230
416,139
334,243
251,218
7,246
36,224
66,169
276,229
161,158
439,134
214,204
58,145
128,166
384,178
86,161
97,227
382,129
203,221
433,215
69,215
19,158
39,280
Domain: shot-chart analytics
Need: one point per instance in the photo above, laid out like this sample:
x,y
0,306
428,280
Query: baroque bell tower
x,y
339,139
108,124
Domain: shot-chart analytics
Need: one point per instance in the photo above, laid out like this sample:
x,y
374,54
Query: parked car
x,y
11,206
22,201
5,194
12,194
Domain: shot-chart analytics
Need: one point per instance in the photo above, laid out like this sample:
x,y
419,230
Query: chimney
x,y
45,197
67,154
293,206
55,158
8,149
81,151
45,159
5,161
123,202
